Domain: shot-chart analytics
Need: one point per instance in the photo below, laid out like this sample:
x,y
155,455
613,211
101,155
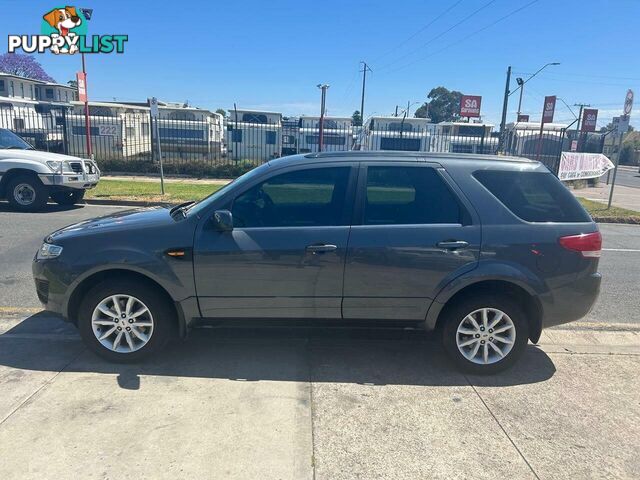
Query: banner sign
x,y
589,119
549,109
578,166
81,79
470,105
628,102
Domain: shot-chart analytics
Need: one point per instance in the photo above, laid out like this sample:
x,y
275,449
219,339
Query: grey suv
x,y
487,250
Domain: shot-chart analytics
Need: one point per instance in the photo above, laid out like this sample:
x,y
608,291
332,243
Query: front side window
x,y
304,198
409,196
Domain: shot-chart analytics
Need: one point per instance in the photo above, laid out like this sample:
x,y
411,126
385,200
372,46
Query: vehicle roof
x,y
384,156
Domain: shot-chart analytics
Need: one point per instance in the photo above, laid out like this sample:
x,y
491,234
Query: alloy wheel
x,y
486,336
122,323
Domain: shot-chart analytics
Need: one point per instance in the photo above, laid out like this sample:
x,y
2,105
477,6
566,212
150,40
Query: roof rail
x,y
434,155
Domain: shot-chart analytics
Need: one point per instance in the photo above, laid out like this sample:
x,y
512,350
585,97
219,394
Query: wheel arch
x,y
90,281
507,287
13,173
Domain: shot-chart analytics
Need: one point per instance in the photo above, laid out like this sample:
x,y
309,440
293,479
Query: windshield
x,y
8,139
205,202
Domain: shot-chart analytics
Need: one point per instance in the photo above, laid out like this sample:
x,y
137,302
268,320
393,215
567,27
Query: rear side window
x,y
408,196
533,196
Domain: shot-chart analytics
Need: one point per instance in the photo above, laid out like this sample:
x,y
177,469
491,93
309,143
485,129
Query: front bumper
x,y
51,285
85,175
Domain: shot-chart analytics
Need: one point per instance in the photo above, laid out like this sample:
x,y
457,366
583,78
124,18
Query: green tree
x,y
444,105
357,118
221,111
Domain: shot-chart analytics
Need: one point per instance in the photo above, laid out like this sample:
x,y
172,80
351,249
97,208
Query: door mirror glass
x,y
223,220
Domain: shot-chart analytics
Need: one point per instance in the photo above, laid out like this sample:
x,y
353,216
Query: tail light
x,y
588,244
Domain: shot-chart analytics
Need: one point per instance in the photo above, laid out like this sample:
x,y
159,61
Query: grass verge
x,y
131,190
600,213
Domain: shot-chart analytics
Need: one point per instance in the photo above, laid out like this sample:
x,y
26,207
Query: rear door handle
x,y
453,244
321,248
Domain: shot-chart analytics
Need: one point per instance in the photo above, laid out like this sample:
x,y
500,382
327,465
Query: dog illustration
x,y
63,20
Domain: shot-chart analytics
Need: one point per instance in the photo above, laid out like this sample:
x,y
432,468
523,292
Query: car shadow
x,y
368,356
48,208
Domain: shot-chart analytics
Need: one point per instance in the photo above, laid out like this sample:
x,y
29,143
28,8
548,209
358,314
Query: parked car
x,y
487,250
28,177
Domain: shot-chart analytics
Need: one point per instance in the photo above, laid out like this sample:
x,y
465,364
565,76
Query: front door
x,y
411,236
285,256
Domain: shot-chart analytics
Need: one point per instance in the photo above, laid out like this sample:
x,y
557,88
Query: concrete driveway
x,y
325,404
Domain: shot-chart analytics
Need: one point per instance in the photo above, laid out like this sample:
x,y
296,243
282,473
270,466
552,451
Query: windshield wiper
x,y
181,207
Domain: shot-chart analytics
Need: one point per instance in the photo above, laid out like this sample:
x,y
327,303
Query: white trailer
x,y
397,133
464,137
337,134
254,135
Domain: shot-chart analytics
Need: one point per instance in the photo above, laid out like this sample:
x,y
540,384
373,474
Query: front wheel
x,y
125,321
485,334
26,193
68,197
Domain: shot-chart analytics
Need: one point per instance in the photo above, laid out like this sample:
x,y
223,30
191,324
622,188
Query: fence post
x,y
65,137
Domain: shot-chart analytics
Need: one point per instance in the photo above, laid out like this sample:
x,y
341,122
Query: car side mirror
x,y
223,220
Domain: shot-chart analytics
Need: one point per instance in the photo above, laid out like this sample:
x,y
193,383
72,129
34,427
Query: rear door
x,y
413,233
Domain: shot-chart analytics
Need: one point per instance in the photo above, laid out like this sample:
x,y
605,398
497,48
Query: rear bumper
x,y
571,302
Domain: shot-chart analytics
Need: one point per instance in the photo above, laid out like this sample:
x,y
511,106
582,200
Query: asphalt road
x,y
22,234
627,176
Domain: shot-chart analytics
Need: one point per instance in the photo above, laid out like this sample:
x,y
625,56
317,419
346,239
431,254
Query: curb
x,y
128,203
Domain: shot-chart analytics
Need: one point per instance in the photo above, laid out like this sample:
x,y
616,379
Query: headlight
x,y
59,166
48,251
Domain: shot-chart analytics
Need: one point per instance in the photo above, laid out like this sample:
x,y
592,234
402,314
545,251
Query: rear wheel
x,y
68,197
26,193
485,334
125,321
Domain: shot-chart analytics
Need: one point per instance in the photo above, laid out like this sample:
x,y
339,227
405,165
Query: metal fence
x,y
131,137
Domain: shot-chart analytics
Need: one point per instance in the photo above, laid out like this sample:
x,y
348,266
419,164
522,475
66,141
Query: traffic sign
x,y
628,102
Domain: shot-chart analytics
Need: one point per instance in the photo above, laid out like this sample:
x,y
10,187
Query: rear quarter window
x,y
533,196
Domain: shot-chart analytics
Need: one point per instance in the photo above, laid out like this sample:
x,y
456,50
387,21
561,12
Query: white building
x,y
397,133
254,135
337,134
33,109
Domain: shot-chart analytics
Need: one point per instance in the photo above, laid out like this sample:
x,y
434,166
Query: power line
x,y
404,42
431,40
466,37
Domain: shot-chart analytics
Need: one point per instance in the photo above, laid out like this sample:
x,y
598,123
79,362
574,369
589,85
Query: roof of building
x,y
41,82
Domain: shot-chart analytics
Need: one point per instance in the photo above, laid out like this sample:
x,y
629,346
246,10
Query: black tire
x,y
162,315
68,197
21,185
455,314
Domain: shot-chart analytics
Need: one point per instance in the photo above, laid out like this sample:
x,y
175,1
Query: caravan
x,y
397,133
464,137
254,135
337,134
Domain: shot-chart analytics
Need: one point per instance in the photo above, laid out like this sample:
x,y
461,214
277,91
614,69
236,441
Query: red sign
x,y
523,118
549,109
81,78
589,119
470,105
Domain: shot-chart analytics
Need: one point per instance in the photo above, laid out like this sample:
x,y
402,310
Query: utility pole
x,y
396,114
87,123
365,67
505,103
323,98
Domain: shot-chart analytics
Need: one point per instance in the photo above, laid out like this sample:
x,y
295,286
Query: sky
x,y
270,55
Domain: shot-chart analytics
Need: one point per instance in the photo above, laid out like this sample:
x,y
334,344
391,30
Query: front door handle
x,y
321,248
453,244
